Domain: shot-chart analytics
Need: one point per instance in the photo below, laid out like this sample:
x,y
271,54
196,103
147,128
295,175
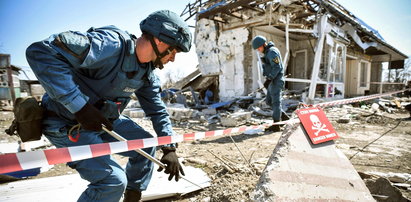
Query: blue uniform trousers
x,y
273,99
107,178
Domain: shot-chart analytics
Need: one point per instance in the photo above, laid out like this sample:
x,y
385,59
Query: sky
x,y
391,18
26,21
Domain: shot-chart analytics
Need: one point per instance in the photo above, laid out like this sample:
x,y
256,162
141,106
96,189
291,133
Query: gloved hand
x,y
266,83
173,167
91,118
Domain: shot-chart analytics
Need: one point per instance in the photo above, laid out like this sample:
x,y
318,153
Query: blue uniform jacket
x,y
76,67
273,66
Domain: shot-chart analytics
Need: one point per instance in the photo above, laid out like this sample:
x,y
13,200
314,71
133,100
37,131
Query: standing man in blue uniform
x,y
89,77
274,72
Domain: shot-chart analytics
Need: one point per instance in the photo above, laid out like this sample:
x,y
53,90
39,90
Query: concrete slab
x,y
300,171
70,187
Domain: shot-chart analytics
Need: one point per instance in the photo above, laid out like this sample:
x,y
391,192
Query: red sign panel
x,y
316,124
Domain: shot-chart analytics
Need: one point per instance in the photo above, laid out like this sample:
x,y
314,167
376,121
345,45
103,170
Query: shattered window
x,y
363,74
339,65
300,65
325,57
336,69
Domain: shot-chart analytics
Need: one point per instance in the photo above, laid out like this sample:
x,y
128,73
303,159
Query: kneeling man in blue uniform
x,y
89,78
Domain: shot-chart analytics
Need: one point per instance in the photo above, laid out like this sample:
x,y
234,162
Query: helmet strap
x,y
157,62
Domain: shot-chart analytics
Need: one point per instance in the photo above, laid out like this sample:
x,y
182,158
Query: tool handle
x,y
120,138
156,161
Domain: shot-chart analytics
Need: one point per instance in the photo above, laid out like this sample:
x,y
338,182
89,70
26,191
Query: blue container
x,y
24,173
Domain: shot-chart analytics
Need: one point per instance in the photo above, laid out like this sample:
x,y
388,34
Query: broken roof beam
x,y
191,9
251,22
307,6
275,7
254,8
313,5
303,14
237,15
219,19
305,31
225,8
295,25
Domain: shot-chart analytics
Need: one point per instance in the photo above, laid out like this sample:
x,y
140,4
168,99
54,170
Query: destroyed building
x,y
9,81
327,51
17,81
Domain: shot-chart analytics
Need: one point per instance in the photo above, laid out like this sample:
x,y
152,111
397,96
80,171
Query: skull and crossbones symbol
x,y
317,125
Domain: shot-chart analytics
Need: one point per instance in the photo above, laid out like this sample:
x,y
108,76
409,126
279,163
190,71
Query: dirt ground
x,y
372,142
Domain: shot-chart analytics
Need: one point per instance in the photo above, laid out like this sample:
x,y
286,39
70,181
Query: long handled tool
x,y
148,156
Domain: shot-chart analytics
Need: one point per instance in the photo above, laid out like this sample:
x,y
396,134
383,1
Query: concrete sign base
x,y
301,171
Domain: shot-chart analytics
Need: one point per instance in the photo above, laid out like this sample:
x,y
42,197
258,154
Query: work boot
x,y
284,116
132,196
273,128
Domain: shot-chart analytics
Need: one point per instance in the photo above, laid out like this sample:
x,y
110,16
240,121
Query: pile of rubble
x,y
235,163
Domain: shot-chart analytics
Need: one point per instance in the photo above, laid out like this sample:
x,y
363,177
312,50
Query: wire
x,y
376,139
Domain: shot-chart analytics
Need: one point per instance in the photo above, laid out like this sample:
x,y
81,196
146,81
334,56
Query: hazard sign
x,y
316,124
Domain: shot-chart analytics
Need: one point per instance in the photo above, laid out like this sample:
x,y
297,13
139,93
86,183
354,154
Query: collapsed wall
x,y
221,53
300,171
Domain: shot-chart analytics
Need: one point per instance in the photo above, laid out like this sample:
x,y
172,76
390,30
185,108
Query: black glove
x,y
173,167
91,119
266,83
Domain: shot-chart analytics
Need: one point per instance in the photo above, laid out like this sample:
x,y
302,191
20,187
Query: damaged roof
x,y
303,16
337,9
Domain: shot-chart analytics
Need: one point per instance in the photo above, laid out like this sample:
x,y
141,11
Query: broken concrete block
x,y
383,187
179,113
343,120
375,107
209,111
236,119
33,145
393,177
136,113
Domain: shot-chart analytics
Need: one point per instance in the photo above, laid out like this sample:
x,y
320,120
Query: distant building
x,y
326,49
24,81
29,83
5,69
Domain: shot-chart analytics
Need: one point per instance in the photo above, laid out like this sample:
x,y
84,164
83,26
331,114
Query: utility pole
x,y
10,78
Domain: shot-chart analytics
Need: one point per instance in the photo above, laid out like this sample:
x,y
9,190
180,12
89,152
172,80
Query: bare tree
x,y
405,74
398,75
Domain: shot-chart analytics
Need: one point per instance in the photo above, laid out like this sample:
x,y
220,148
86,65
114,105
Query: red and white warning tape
x,y
35,159
357,99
